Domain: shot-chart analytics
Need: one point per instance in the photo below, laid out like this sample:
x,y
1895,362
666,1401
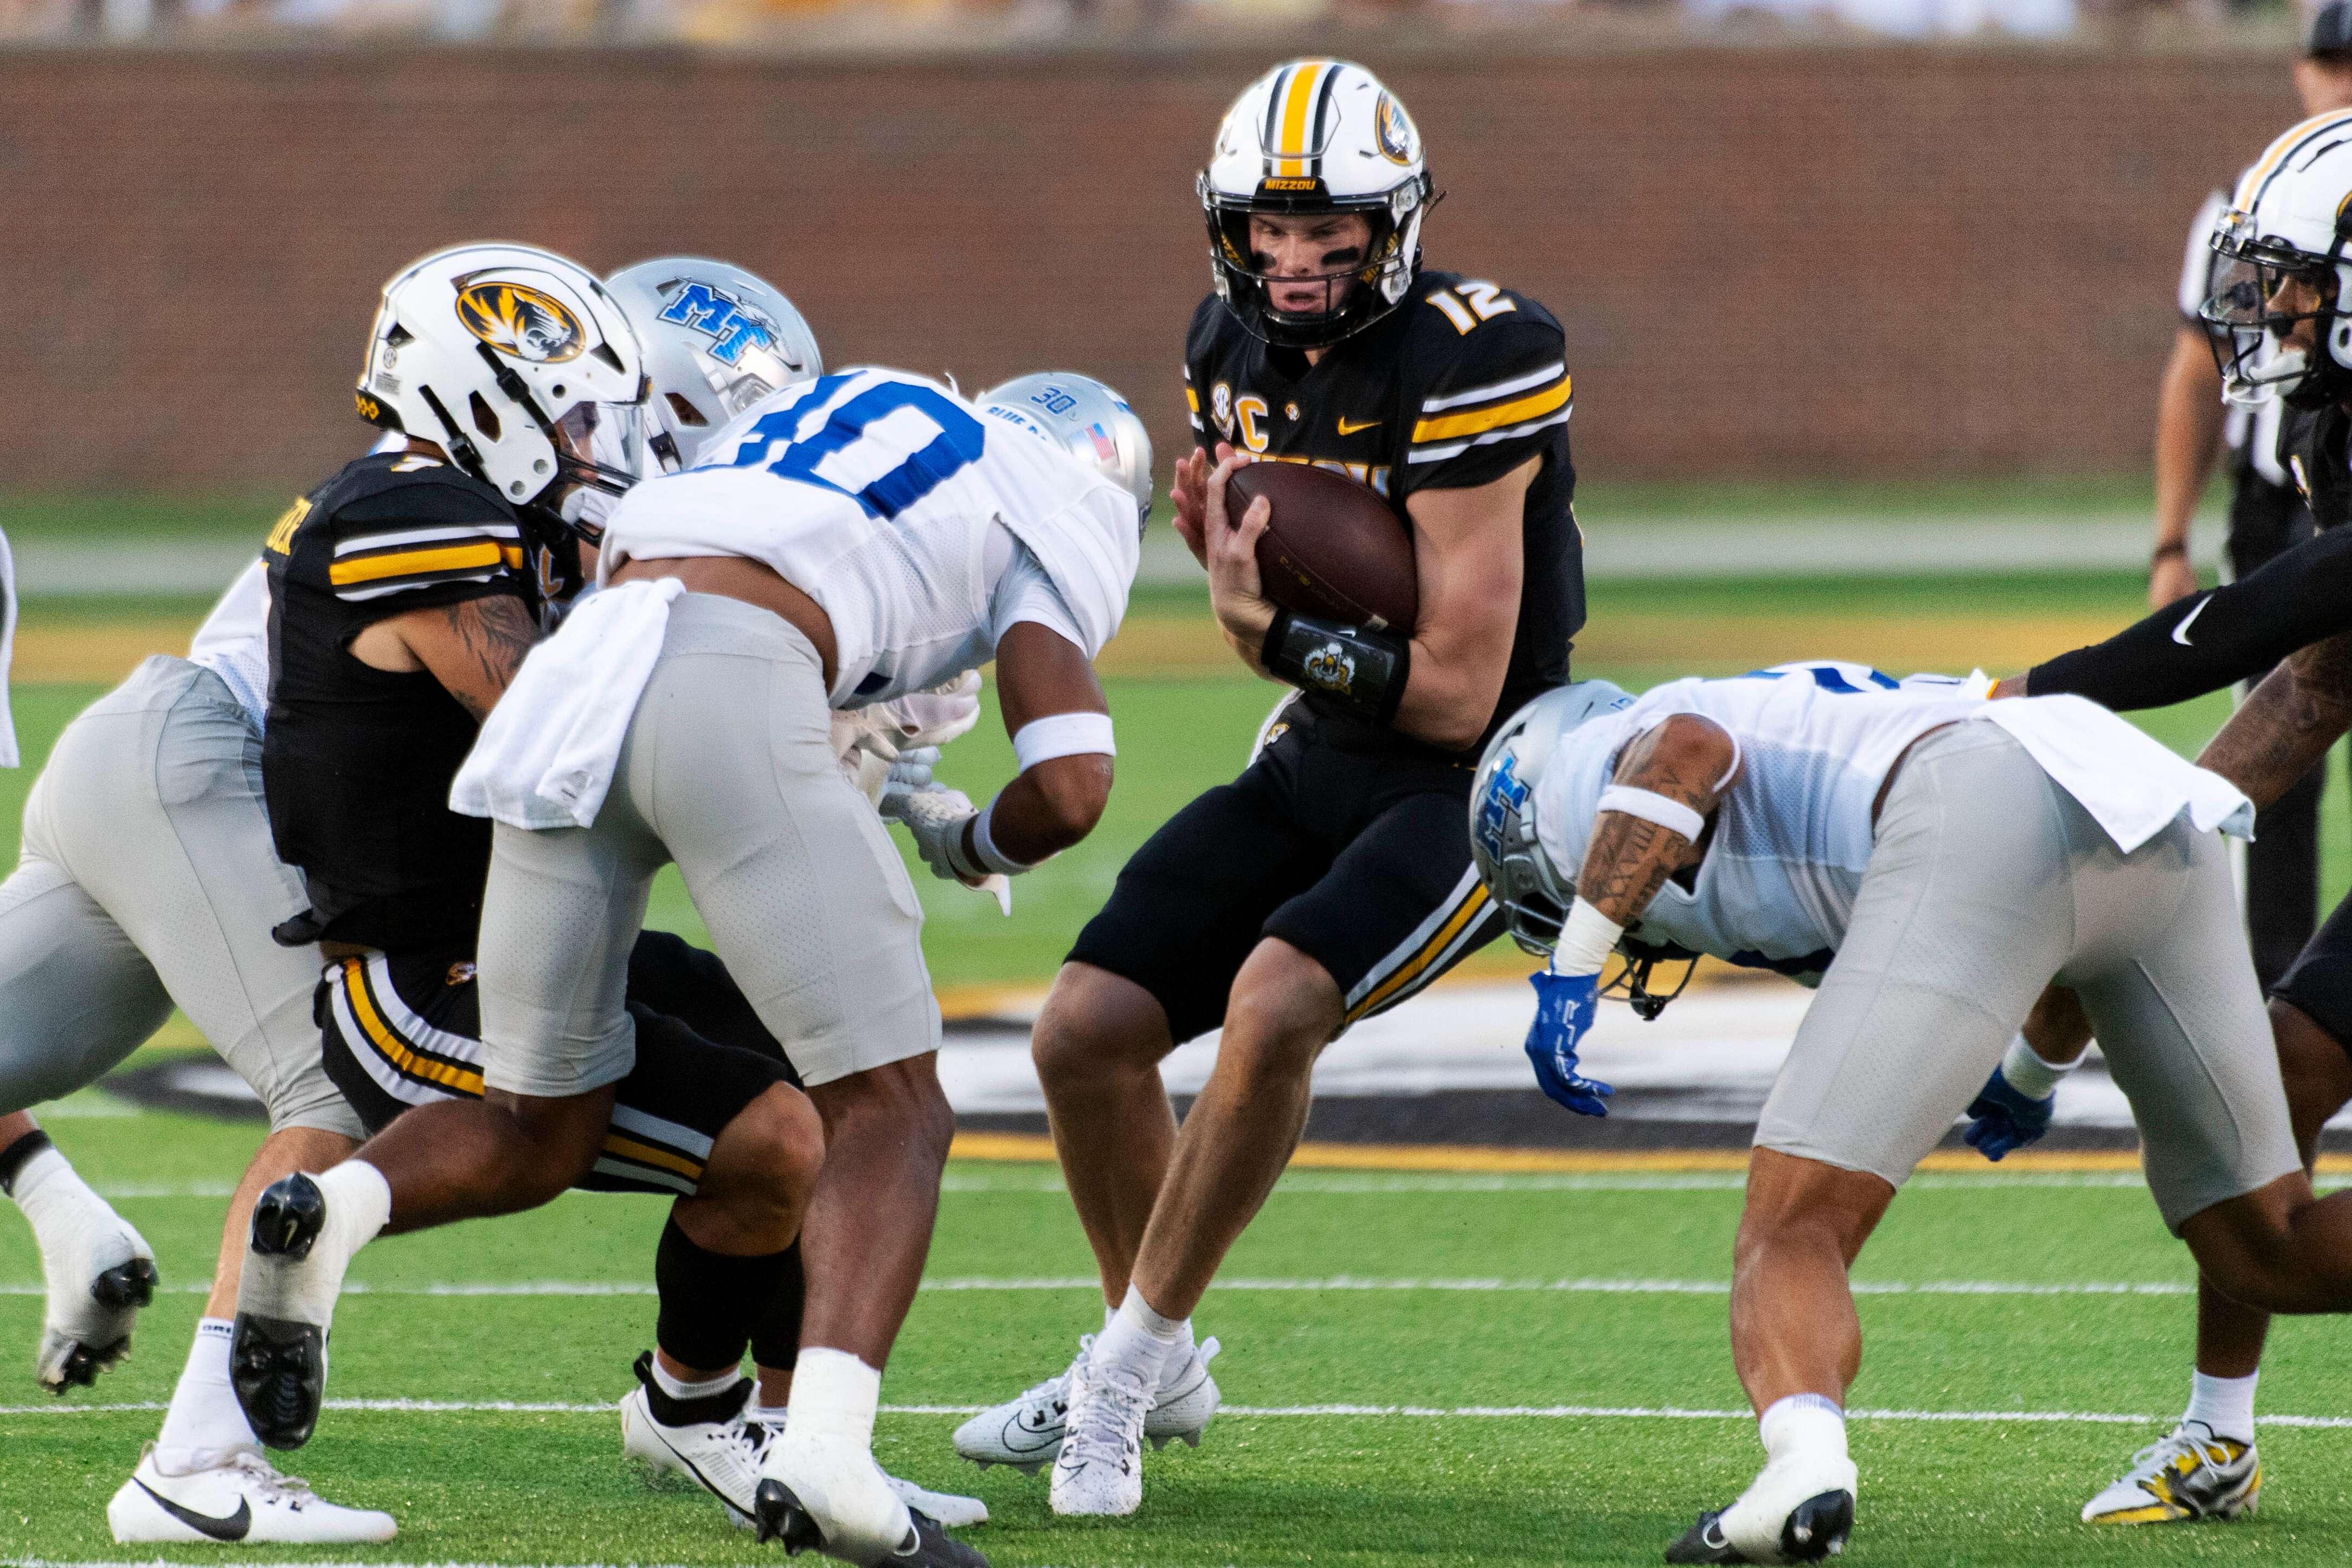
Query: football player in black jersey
x,y
1332,879
404,593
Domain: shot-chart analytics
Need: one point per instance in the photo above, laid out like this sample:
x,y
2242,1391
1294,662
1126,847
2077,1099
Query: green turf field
x,y
1483,1415
1520,1359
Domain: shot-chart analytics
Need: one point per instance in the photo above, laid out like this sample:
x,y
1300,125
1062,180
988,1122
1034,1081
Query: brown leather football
x,y
1333,548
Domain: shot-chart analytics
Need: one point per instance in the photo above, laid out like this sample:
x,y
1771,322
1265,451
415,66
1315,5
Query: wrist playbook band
x,y
983,844
1362,669
1651,807
1063,735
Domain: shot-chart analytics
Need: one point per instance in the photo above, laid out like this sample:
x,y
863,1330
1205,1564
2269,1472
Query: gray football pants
x,y
728,769
1988,881
147,876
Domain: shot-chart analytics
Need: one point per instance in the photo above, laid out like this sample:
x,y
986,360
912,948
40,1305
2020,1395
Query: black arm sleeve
x,y
2205,642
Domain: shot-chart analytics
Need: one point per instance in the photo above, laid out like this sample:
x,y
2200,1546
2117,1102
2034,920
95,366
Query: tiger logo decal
x,y
516,319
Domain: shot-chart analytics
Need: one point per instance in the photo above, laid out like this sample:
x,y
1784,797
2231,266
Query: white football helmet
x,y
518,363
2281,259
717,340
1315,136
1533,895
1087,418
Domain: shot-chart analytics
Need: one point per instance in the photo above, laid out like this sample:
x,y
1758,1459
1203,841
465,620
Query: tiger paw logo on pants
x,y
1329,667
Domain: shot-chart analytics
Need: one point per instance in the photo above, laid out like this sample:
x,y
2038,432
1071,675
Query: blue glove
x,y
1565,1006
2003,1118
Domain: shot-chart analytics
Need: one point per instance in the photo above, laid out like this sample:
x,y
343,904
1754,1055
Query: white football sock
x,y
58,1204
772,1416
679,1388
1142,1340
1806,1429
205,1423
835,1396
2226,1405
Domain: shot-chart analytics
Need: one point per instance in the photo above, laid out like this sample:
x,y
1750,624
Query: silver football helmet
x,y
1533,894
1088,419
717,340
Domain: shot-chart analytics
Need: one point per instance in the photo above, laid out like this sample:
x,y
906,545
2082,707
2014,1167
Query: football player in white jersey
x,y
1953,857
843,543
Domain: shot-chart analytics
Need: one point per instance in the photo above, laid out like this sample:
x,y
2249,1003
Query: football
x,y
1333,548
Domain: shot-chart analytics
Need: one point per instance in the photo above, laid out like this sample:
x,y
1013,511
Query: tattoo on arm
x,y
1629,857
2282,730
495,634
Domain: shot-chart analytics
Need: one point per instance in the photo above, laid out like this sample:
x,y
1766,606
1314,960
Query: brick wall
x,y
1792,262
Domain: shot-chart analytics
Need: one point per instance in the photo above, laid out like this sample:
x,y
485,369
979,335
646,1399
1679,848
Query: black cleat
x,y
278,1370
1704,1542
278,1366
1816,1528
126,1285
288,1217
778,1515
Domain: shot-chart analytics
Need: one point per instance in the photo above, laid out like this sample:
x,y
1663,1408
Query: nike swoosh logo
x,y
2180,632
1349,427
234,1528
1020,1440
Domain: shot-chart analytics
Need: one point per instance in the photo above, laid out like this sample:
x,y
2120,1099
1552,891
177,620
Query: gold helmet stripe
x,y
1293,145
2250,187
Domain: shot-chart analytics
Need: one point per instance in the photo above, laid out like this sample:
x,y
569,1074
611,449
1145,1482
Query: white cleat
x,y
950,1509
824,1495
721,1452
2190,1474
243,1499
1099,1471
1026,1432
100,1272
706,1440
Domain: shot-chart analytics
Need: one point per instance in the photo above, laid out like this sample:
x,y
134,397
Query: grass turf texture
x,y
539,1486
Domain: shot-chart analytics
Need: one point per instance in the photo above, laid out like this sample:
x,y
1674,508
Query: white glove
x,y
912,769
935,816
935,716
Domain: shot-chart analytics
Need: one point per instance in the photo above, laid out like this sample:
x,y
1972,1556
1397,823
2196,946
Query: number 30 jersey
x,y
1458,386
880,495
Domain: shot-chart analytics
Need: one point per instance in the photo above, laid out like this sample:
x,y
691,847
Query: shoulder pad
x,y
395,522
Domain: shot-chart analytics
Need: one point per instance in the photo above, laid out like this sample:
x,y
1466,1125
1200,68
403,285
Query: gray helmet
x,y
1533,895
717,340
1087,417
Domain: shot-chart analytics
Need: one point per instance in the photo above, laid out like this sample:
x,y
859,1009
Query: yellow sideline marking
x,y
1021,1146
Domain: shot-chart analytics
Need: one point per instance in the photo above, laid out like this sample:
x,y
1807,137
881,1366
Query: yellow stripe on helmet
x,y
2251,182
1291,143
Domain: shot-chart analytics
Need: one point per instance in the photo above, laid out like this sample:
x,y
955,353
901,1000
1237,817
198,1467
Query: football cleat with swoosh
x,y
243,1500
1026,1432
2189,1474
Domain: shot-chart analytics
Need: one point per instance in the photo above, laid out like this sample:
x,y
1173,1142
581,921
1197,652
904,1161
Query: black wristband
x,y
1364,671
12,1158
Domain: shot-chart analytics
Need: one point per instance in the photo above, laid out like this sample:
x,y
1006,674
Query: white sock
x,y
772,1416
1141,1340
679,1388
205,1424
835,1396
56,1202
2226,1405
1807,1428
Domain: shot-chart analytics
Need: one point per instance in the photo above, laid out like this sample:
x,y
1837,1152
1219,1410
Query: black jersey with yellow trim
x,y
357,760
1458,385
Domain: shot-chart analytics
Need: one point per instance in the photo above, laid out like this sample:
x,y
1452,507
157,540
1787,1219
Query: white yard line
x,y
1584,1287
1286,1412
